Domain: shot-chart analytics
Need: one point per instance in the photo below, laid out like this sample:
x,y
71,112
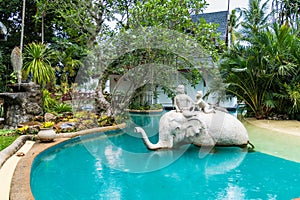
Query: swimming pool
x,y
117,165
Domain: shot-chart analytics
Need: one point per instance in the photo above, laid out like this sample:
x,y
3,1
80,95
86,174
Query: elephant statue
x,y
199,128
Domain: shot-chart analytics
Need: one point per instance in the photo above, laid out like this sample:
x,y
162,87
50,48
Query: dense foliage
x,y
6,76
262,67
72,28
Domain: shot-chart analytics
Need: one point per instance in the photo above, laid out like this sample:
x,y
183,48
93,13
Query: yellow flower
x,y
47,124
22,130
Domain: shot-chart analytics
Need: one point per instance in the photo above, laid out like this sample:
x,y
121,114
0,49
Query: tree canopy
x,y
264,73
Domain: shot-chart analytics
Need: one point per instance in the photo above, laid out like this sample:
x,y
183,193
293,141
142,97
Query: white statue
x,y
188,126
202,104
183,102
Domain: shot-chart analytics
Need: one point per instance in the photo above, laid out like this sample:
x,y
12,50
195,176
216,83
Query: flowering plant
x,y
47,124
22,130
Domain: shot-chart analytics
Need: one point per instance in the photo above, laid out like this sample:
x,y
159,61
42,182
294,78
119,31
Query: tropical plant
x,y
62,107
69,65
258,73
264,73
287,12
49,101
233,24
293,92
106,121
280,45
22,130
37,63
255,18
248,80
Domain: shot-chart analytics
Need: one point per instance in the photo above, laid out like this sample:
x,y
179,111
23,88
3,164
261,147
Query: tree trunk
x,y
23,24
43,24
101,104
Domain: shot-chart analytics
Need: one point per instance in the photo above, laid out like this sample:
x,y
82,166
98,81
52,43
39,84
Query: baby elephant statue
x,y
199,128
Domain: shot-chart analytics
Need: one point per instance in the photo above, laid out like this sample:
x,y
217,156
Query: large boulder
x,y
49,117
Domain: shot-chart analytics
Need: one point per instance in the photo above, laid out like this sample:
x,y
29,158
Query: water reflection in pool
x,y
120,167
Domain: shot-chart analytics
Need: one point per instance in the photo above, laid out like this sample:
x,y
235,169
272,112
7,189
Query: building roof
x,y
215,17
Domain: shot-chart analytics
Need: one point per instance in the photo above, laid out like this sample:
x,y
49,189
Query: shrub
x,y
49,101
62,107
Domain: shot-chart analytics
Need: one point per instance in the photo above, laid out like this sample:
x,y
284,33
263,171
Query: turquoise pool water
x,y
117,165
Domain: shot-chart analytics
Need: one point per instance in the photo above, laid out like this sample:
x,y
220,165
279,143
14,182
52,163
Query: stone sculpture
x,y
202,105
185,125
183,102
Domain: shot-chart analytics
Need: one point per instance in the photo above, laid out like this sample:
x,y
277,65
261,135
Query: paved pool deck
x,y
7,170
15,172
283,141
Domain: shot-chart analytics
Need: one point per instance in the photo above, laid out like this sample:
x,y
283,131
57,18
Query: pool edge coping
x,y
20,181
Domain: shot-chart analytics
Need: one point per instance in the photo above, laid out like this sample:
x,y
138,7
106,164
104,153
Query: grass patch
x,y
6,138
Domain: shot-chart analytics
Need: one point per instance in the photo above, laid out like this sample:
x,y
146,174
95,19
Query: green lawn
x,y
6,138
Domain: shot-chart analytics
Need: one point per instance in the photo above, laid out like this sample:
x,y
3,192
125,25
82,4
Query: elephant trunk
x,y
146,140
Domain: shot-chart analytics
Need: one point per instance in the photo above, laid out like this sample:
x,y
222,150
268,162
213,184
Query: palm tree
x,y
69,67
255,18
278,43
258,73
233,25
37,63
265,73
247,78
287,12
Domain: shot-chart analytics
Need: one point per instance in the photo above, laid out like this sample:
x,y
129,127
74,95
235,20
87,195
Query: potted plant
x,y
46,133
